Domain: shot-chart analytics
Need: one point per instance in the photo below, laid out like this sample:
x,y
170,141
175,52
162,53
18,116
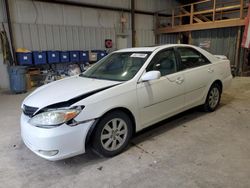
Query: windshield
x,y
121,66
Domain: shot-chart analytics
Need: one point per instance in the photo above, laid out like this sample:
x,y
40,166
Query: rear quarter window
x,y
191,58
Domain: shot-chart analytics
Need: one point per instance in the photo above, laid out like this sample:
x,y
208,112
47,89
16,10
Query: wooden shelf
x,y
205,19
202,26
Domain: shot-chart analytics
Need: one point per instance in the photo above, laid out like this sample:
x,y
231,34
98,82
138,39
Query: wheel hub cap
x,y
214,97
114,134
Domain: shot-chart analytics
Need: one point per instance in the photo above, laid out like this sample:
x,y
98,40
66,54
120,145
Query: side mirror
x,y
151,75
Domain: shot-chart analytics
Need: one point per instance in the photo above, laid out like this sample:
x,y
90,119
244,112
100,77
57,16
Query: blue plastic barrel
x,y
17,79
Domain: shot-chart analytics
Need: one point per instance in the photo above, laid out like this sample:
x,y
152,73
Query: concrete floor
x,y
194,149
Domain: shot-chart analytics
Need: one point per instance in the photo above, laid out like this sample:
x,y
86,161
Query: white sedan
x,y
125,92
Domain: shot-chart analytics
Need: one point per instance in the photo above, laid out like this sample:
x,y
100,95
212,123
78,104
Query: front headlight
x,y
53,118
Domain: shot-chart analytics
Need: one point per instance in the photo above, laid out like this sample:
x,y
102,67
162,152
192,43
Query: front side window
x,y
120,66
164,61
191,58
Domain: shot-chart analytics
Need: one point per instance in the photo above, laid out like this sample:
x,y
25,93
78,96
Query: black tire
x,y
207,106
99,142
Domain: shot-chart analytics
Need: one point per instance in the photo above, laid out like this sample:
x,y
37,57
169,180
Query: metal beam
x,y
88,5
237,54
10,30
133,23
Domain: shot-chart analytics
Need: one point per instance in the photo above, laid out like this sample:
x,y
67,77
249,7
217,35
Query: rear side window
x,y
191,58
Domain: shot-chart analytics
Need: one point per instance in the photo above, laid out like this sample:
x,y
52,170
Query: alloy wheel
x,y
114,134
213,98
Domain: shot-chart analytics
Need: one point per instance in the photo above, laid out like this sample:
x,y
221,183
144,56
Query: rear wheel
x,y
213,98
112,134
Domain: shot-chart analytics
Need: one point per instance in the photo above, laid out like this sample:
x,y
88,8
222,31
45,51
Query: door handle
x,y
210,70
179,80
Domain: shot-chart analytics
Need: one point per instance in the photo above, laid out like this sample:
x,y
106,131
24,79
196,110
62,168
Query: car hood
x,y
64,90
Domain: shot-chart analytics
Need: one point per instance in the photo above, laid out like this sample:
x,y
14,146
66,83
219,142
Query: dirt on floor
x,y
193,149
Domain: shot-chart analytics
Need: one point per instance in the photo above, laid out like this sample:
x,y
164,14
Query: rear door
x,y
198,74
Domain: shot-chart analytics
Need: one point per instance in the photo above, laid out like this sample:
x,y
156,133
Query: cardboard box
x,y
92,56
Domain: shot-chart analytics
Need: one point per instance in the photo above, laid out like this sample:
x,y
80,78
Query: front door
x,y
159,99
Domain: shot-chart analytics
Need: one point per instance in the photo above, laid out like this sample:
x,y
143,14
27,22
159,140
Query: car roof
x,y
152,48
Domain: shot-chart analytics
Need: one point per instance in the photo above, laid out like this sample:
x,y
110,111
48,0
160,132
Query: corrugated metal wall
x,y
4,78
27,11
2,12
145,24
43,26
113,3
46,26
155,5
144,30
222,41
55,37
168,38
148,5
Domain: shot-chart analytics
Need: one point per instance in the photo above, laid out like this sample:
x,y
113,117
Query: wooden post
x,y
237,56
190,37
157,25
173,18
192,14
12,42
241,8
214,7
133,23
179,38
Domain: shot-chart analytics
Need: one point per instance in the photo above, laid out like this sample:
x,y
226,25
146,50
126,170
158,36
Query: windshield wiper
x,y
95,77
82,75
99,78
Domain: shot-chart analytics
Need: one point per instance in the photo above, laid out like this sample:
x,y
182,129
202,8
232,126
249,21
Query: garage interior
x,y
192,149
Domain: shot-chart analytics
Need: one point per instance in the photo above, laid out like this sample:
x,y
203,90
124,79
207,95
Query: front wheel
x,y
112,134
213,98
